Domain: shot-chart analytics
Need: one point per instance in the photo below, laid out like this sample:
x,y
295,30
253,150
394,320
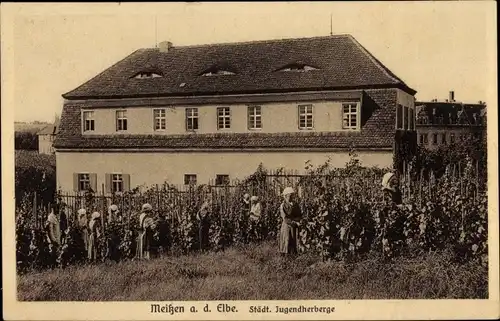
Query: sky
x,y
434,47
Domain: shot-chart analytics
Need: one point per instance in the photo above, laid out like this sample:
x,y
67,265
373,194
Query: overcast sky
x,y
434,47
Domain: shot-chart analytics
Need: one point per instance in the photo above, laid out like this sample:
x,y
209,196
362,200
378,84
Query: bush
x,y
25,141
344,217
35,173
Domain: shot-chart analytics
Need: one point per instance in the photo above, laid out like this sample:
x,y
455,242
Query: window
x,y
160,119
88,121
452,138
399,116
350,116
254,117
83,182
423,139
121,120
147,75
222,179
116,183
306,117
297,68
412,119
190,179
191,118
435,139
217,73
223,118
443,138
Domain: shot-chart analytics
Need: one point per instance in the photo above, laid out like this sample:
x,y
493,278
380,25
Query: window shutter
x,y
93,182
75,182
108,183
126,182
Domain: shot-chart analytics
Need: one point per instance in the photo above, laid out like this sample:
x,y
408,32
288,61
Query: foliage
x,y
345,216
34,173
25,141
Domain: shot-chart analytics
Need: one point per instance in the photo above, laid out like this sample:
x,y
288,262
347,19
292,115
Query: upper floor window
x,y
121,120
254,117
306,117
424,139
160,119
88,121
350,116
412,119
191,119
443,138
406,118
147,75
223,118
399,116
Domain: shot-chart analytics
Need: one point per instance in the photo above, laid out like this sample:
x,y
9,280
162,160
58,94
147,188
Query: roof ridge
x,y
259,41
377,63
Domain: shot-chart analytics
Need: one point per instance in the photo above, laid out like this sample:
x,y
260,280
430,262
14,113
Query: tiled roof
x,y
447,109
342,62
49,129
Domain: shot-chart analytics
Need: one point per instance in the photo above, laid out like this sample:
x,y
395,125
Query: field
x,y
257,272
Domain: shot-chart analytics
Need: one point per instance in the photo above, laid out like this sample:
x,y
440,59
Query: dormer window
x,y
215,71
297,67
147,75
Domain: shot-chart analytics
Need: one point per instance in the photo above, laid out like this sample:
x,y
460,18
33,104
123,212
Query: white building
x,y
195,113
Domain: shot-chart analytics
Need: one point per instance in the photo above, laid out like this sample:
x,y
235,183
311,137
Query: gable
x,y
336,62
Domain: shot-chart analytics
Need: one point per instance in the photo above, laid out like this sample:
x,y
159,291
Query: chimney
x,y
452,96
165,46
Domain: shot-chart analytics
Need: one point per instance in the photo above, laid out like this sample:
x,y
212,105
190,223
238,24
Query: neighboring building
x,y
448,122
46,137
214,112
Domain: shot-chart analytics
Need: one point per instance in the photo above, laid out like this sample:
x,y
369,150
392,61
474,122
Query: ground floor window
x,y
190,179
222,179
116,183
83,182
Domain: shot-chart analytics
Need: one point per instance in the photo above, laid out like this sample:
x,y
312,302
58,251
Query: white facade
x,y
157,167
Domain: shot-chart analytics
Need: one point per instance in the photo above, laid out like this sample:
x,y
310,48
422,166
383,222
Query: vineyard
x,y
345,217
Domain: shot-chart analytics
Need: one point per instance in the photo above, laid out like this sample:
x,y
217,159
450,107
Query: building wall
x,y
447,131
45,144
405,99
148,168
276,117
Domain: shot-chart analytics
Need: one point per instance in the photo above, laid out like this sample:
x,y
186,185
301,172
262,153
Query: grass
x,y
257,273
